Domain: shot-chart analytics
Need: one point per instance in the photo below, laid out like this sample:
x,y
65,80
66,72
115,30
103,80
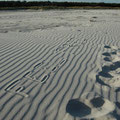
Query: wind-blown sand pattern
x,y
60,65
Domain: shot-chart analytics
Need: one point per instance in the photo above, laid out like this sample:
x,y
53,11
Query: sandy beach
x,y
60,65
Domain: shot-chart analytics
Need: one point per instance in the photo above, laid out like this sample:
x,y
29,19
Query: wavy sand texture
x,y
50,59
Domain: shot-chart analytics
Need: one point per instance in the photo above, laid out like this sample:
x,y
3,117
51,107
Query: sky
x,y
105,1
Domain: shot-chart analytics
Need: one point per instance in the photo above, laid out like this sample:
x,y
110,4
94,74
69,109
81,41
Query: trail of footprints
x,y
96,107
41,72
110,74
18,86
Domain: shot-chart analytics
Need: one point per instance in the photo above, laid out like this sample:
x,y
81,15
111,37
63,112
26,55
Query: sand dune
x,y
60,65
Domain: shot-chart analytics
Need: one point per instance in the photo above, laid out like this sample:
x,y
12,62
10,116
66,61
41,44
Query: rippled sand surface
x,y
60,65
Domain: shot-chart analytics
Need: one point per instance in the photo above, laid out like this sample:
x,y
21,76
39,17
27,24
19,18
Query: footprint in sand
x,y
106,46
3,31
38,65
96,107
117,104
45,78
27,74
106,54
109,75
55,68
108,59
62,62
16,89
112,58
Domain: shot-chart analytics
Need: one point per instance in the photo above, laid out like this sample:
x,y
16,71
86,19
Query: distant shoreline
x,y
22,5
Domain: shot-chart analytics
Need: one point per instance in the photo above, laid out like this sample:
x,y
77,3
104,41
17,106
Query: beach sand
x,y
60,65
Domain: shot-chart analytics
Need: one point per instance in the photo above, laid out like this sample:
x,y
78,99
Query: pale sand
x,y
60,65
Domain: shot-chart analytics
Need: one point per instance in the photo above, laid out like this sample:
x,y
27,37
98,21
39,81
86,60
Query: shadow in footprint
x,y
117,90
117,64
111,67
106,46
93,108
106,68
94,17
107,59
39,64
97,102
106,54
62,62
113,53
117,104
26,74
45,78
54,69
77,108
100,81
105,74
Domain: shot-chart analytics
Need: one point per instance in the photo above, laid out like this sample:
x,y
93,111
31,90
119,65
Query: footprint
x,y
96,107
77,108
93,20
114,53
97,102
106,46
107,59
114,82
3,31
94,17
101,81
112,67
16,89
54,69
106,54
60,49
38,65
117,104
27,74
105,74
45,78
62,62
12,84
109,76
20,88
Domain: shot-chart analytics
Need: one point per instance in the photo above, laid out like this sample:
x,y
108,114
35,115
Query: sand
x,y
60,65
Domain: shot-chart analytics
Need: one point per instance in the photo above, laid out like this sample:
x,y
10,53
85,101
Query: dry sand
x,y
60,65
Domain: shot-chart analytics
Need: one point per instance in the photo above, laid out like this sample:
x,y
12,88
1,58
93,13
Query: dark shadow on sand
x,y
77,108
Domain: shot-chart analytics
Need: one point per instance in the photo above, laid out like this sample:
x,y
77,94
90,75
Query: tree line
x,y
56,4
